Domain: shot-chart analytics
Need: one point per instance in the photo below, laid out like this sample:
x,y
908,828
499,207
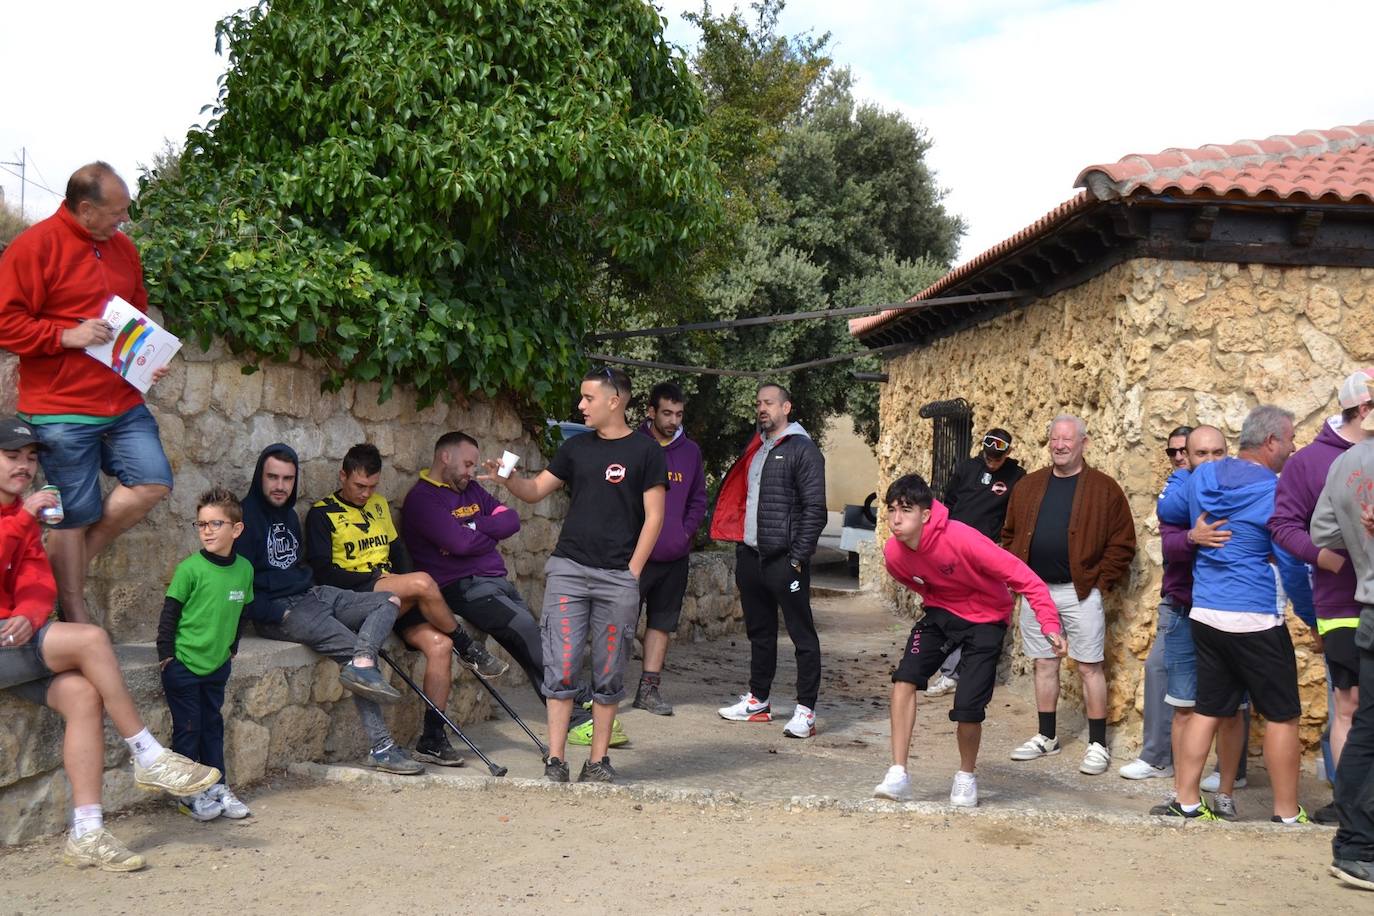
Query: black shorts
x,y
411,618
938,634
661,589
1230,664
1342,657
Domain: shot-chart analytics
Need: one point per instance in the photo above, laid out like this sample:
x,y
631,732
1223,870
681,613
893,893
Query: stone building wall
x,y
1144,347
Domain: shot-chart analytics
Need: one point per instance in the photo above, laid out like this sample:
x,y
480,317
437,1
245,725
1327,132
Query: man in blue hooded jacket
x,y
1238,628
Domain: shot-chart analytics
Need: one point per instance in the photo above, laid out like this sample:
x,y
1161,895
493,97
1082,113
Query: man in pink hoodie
x,y
966,584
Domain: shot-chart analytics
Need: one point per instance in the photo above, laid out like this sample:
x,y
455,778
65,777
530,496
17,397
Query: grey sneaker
x,y
234,808
368,683
1355,873
391,759
175,775
556,770
480,661
437,750
597,771
1036,747
99,849
647,697
1224,806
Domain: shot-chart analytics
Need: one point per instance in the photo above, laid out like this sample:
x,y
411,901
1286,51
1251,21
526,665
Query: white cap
x,y
1354,391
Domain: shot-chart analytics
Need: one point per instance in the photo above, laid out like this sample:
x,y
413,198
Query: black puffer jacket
x,y
791,511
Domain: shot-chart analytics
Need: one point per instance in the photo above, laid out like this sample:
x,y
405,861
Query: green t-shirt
x,y
212,598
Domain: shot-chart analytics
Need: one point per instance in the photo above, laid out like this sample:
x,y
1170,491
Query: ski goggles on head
x,y
996,444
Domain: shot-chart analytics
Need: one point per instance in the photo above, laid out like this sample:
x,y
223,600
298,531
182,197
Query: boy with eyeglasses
x,y
197,637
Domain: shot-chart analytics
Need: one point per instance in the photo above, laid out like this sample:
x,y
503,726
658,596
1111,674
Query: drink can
x,y
51,515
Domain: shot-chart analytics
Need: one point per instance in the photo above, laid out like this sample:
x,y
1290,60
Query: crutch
x,y
543,748
495,770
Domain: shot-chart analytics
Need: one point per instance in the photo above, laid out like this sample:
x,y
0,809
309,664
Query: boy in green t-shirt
x,y
197,636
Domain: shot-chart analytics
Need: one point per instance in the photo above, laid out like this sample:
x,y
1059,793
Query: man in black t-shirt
x,y
617,481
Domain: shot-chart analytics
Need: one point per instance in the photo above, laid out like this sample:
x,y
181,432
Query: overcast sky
x,y
1018,95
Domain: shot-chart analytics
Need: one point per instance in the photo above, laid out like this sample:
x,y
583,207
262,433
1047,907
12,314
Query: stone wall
x,y
1144,347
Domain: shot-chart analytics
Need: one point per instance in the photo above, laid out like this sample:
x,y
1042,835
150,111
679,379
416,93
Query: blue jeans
x,y
1180,662
196,702
75,454
1156,747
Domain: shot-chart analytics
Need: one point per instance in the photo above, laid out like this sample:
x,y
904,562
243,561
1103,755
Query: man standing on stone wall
x,y
1333,578
772,502
55,280
1072,525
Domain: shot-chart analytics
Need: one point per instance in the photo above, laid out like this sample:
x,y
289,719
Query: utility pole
x,y
23,181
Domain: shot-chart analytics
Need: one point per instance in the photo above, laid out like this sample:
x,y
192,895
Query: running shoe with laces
x,y
1224,806
1140,768
556,770
436,749
368,683
964,792
896,785
477,659
749,709
391,759
597,771
99,849
648,698
581,735
802,724
1212,782
1302,818
1174,809
942,685
1096,759
1035,748
234,808
175,775
203,806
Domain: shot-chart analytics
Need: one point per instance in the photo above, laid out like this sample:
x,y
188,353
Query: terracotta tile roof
x,y
1334,165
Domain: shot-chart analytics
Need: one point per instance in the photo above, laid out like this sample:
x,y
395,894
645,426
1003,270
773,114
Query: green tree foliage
x,y
432,193
12,222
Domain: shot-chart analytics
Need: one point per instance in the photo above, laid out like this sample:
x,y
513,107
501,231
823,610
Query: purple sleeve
x,y
696,499
496,521
1176,546
429,520
1293,505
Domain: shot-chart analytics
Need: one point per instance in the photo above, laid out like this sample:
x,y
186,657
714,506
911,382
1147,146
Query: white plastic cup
x,y
508,463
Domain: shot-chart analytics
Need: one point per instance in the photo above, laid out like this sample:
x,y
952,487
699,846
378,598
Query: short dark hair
x,y
283,454
1180,431
1350,414
666,391
221,499
86,183
910,491
618,379
363,457
449,440
782,389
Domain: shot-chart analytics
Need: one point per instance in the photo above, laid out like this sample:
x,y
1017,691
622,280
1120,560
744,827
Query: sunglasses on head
x,y
1175,452
610,378
996,444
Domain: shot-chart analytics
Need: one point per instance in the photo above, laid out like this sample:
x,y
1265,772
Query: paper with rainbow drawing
x,y
140,345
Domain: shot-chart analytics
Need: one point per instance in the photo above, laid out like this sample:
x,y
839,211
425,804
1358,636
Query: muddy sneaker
x,y
175,775
234,809
964,792
368,683
1174,809
1300,818
802,724
481,662
438,750
1212,782
896,785
1353,872
1096,759
391,759
1035,748
99,849
1140,768
1224,806
646,697
749,709
942,685
555,770
203,806
597,771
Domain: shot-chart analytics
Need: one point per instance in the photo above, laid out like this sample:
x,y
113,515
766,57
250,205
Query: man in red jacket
x,y
966,583
70,668
55,280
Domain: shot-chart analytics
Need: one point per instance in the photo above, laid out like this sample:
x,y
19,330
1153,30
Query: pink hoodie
x,y
956,568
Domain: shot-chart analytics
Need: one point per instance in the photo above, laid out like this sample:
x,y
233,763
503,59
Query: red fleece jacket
x,y
27,588
53,277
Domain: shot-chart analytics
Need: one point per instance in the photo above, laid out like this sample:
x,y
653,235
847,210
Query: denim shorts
x,y
1180,660
23,671
75,454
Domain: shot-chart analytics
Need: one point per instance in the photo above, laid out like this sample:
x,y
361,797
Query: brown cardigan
x,y
1101,529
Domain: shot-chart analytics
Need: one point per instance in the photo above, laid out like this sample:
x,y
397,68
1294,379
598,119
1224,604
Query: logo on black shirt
x,y
999,488
281,546
615,473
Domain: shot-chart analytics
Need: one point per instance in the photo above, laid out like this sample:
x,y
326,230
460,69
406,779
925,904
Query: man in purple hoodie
x,y
1333,578
664,580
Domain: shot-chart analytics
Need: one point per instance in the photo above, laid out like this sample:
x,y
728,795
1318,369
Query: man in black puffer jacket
x,y
772,502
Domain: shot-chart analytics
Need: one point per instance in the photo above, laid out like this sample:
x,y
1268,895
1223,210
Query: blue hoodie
x,y
271,541
1236,576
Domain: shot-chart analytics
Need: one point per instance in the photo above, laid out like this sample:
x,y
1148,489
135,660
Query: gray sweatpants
x,y
340,624
582,601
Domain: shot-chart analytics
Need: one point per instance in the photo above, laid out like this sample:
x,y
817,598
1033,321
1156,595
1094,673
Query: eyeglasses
x,y
213,524
996,444
1175,452
610,378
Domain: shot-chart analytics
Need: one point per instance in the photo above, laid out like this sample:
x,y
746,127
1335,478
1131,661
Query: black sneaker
x,y
646,697
368,683
597,771
1174,809
555,770
437,750
482,662
1326,814
1354,873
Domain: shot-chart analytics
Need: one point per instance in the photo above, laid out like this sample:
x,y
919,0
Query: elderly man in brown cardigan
x,y
1072,525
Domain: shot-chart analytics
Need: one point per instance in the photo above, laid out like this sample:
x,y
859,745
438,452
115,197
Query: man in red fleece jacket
x,y
966,583
70,668
55,280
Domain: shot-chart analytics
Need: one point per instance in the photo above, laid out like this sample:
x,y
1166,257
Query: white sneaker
x,y
233,807
896,785
1095,760
749,709
802,724
1141,769
942,685
201,807
1035,748
1212,782
964,793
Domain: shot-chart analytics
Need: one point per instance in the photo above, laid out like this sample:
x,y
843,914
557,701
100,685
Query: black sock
x,y
434,726
651,678
1047,726
1097,731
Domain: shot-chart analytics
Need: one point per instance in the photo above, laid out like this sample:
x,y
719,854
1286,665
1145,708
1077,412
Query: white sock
x,y
1290,820
87,819
1190,808
144,747
362,661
